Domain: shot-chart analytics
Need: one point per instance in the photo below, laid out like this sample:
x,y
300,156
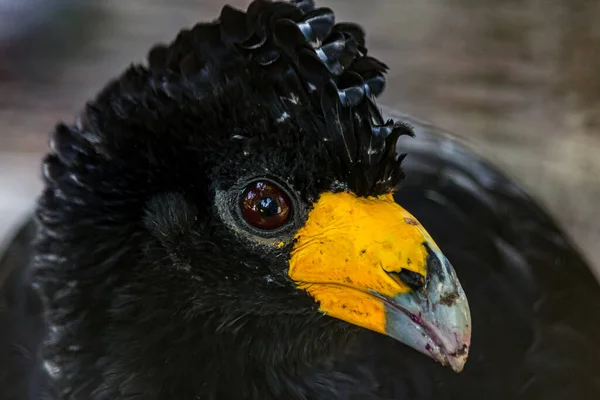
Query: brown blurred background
x,y
518,79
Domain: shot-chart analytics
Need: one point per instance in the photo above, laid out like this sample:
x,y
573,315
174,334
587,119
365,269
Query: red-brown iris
x,y
265,205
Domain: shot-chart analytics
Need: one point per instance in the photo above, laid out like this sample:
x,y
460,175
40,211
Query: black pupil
x,y
268,207
265,206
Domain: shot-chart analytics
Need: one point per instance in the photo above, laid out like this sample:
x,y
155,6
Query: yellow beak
x,y
369,262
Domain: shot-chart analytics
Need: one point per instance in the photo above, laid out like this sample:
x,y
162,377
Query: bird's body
x,y
155,290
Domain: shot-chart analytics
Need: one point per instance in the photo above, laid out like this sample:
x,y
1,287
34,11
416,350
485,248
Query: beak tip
x,y
458,359
454,356
437,322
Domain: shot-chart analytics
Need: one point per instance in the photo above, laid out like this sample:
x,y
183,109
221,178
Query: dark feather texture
x,y
142,167
153,289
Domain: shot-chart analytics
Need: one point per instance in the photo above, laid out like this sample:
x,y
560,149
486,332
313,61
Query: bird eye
x,y
265,205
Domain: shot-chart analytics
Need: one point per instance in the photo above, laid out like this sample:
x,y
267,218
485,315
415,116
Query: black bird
x,y
230,222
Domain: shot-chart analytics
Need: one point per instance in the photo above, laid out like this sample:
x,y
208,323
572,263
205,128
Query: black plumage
x,y
153,291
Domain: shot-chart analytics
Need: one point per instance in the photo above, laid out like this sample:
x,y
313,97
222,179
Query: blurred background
x,y
519,80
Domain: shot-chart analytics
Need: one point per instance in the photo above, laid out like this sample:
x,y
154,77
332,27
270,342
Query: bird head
x,y
237,191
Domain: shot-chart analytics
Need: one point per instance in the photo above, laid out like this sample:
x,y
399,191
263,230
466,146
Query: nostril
x,y
412,279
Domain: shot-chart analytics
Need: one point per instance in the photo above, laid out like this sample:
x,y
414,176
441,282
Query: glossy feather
x,y
151,296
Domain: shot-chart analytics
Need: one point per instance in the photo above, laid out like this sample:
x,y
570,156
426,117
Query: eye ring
x,y
265,206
